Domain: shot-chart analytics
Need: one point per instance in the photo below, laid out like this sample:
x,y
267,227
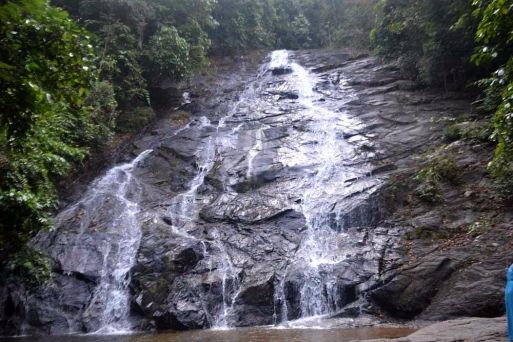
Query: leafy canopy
x,y
46,71
495,38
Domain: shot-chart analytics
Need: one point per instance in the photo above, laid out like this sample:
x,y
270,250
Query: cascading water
x,y
254,225
120,189
320,250
257,148
183,209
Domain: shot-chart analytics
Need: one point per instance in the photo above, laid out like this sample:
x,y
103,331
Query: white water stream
x,y
118,190
320,248
184,209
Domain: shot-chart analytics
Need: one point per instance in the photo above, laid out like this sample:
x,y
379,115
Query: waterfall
x,y
183,209
320,250
255,150
118,190
254,229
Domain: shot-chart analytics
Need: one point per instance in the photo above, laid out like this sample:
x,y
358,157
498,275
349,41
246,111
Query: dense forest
x,y
76,73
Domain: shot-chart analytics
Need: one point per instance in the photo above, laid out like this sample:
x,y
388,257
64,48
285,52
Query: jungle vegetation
x,y
73,73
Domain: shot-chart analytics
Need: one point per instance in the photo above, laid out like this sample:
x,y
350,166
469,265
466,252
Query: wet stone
x,y
269,203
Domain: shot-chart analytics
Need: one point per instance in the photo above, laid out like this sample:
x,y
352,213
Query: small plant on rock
x,y
479,227
431,176
452,133
448,170
440,169
503,183
430,192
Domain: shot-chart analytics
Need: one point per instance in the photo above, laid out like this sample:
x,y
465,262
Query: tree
x,y
141,43
46,71
495,38
168,56
432,39
242,25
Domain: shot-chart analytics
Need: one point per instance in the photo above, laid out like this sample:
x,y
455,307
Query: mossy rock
x,y
180,116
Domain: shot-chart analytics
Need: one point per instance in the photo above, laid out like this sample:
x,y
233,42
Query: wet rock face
x,y
244,208
284,70
182,283
271,204
456,252
411,292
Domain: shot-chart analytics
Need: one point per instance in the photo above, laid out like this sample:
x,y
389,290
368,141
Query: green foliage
x,y
46,61
168,56
432,39
243,25
291,24
31,266
103,111
473,131
355,24
298,34
46,71
398,33
452,133
192,19
256,24
141,43
495,39
292,28
119,64
429,191
438,170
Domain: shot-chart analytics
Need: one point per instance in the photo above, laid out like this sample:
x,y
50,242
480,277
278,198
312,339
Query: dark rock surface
x,y
456,252
277,200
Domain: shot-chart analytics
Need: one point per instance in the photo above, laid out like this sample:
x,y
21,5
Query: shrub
x,y
452,133
168,56
31,266
46,70
430,192
474,131
438,170
102,101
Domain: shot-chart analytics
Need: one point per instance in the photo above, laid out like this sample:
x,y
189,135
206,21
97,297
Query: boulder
x,y
285,70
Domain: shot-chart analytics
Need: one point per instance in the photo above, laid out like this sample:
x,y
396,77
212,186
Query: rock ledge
x,y
466,329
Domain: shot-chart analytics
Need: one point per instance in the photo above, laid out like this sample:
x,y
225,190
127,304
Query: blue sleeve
x,y
509,302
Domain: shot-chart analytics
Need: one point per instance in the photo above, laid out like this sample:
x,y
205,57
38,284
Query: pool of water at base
x,y
237,335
